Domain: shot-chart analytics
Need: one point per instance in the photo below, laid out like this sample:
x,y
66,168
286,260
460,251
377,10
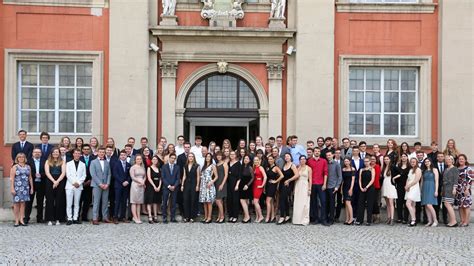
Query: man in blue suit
x,y
121,176
45,147
22,146
170,174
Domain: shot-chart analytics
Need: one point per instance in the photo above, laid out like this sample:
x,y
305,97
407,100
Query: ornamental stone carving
x,y
275,70
168,69
169,7
222,13
278,9
222,67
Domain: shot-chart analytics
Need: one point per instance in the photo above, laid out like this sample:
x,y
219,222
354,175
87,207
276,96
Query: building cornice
x,y
223,32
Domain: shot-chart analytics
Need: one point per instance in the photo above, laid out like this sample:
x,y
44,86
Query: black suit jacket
x,y
27,149
181,162
169,178
49,148
41,170
440,175
88,166
118,174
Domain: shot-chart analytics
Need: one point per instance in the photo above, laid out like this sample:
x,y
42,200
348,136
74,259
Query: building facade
x,y
368,69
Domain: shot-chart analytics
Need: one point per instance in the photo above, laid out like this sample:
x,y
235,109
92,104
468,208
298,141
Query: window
x,y
383,101
384,1
55,97
222,92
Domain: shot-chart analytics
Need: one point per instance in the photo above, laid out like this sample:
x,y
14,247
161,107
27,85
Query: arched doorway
x,y
220,106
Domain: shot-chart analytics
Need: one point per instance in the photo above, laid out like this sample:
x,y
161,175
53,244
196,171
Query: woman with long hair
x,y
274,176
111,143
450,180
147,157
226,144
290,173
78,143
211,148
463,189
207,192
400,182
302,193
246,180
390,173
94,143
137,189
429,191
367,193
258,185
55,170
221,185
412,188
348,180
169,150
392,152
268,149
377,187
451,149
233,179
21,187
404,148
153,195
189,187
160,153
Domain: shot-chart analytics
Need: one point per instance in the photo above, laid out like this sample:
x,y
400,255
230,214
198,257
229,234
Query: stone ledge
x,y
206,31
385,8
74,3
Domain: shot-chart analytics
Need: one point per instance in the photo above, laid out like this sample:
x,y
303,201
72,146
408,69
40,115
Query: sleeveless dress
x,y
284,192
414,193
270,188
466,175
302,199
346,185
258,181
22,184
388,189
245,179
450,178
207,194
220,178
428,189
151,196
137,193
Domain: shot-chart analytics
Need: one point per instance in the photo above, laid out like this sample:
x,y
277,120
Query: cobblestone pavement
x,y
234,244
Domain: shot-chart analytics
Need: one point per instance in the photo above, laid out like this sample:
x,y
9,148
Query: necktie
x,y
22,145
442,167
171,168
123,165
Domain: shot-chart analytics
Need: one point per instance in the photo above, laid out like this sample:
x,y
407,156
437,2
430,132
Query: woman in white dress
x,y
412,188
389,192
302,193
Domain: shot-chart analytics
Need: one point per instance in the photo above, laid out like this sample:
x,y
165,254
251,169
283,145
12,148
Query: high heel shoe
x,y
287,219
428,224
246,222
412,223
155,219
150,220
221,221
352,222
281,221
273,220
259,221
452,225
435,224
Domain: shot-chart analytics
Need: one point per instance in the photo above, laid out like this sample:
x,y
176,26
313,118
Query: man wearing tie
x,y
45,147
22,146
170,174
441,166
39,186
121,175
76,174
100,173
86,196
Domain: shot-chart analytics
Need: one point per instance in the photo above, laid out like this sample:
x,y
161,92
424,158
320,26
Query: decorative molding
x,y
69,3
14,56
169,20
168,69
180,112
263,7
385,7
275,70
423,63
228,57
219,32
222,67
263,113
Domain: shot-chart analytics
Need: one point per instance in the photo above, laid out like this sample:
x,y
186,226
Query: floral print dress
x,y
207,194
22,184
466,175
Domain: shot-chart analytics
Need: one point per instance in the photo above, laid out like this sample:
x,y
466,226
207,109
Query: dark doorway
x,y
218,134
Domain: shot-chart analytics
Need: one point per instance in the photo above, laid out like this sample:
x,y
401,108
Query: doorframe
x,y
216,122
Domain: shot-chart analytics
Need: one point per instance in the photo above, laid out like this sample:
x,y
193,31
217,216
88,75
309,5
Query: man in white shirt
x,y
197,150
76,174
179,148
417,149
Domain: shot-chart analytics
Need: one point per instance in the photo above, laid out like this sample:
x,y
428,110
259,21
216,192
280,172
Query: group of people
x,y
290,182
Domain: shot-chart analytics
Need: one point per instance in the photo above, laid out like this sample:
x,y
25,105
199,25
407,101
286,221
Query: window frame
x,y
56,88
13,57
382,111
420,6
424,107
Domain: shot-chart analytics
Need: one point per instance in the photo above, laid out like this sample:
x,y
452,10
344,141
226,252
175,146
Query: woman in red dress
x,y
258,185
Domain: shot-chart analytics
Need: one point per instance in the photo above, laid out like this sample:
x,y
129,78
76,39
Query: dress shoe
x,y
116,221
165,221
40,221
85,220
69,222
325,224
107,221
95,222
174,221
125,221
76,222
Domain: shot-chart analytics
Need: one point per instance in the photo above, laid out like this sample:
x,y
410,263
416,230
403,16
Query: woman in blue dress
x,y
429,191
21,187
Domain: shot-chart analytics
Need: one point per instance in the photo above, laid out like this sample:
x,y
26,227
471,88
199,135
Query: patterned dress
x,y
466,175
21,184
207,194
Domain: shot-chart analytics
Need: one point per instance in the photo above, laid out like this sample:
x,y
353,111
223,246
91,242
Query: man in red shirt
x,y
319,179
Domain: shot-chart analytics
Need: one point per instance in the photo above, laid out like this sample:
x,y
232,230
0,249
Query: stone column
x,y
179,122
275,87
168,99
263,124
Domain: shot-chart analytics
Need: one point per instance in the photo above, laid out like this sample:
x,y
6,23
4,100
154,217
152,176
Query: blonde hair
x,y
21,154
55,162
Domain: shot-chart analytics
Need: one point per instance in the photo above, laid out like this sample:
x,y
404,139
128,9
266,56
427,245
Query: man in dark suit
x,y
45,147
39,186
433,155
282,148
170,173
86,196
441,166
121,176
181,161
22,146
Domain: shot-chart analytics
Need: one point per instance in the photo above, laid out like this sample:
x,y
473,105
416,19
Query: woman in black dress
x,y
290,173
153,189
245,189
348,177
367,192
233,188
274,176
400,182
190,188
55,169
